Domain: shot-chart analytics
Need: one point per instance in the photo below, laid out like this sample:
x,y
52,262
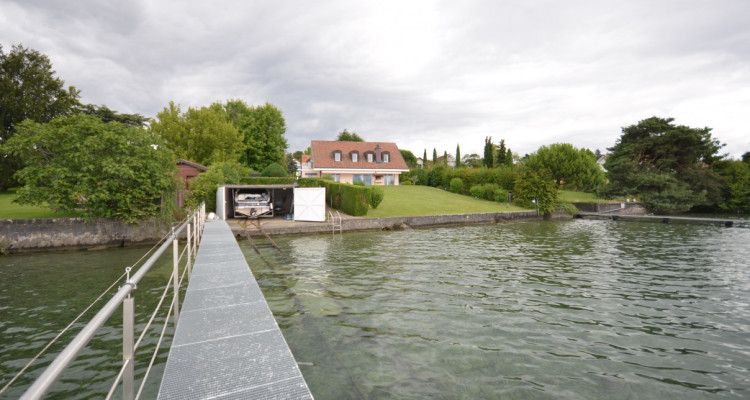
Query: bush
x,y
407,183
422,177
477,191
489,191
567,208
358,183
354,199
506,178
539,186
456,185
376,196
274,170
500,196
268,180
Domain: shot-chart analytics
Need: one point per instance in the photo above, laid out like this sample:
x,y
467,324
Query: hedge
x,y
351,199
287,180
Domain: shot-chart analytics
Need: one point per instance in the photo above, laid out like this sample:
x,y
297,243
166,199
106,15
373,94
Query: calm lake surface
x,y
535,310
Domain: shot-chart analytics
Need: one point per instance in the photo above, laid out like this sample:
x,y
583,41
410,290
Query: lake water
x,y
535,310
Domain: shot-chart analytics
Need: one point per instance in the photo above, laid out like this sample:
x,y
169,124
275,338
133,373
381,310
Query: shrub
x,y
407,183
422,177
534,185
567,208
268,180
358,183
376,196
506,178
477,191
489,191
274,170
456,185
327,177
354,199
500,196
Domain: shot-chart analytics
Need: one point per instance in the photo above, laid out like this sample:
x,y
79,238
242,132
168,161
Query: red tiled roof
x,y
322,155
192,164
305,158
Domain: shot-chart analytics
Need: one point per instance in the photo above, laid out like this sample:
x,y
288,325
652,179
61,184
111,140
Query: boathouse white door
x,y
310,204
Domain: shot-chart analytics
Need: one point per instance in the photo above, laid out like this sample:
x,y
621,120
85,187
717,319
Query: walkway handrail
x,y
66,357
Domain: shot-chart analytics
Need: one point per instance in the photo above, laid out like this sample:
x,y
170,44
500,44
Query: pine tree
x,y
501,153
434,156
458,155
489,153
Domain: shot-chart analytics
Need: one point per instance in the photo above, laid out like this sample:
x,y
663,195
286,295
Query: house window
x,y
386,157
355,156
313,175
370,157
336,177
367,179
389,180
337,156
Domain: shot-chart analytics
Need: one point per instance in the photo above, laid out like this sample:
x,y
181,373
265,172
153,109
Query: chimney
x,y
378,155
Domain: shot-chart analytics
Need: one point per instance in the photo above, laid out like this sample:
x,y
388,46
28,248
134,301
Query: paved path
x,y
227,344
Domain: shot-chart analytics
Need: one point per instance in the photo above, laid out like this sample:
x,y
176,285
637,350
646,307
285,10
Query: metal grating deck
x,y
227,344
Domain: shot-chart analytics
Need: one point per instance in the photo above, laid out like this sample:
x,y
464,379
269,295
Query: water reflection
x,y
582,309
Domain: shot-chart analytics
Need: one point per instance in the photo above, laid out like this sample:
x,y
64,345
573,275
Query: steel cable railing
x,y
123,296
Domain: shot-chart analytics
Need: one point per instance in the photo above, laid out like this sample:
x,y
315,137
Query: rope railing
x,y
193,225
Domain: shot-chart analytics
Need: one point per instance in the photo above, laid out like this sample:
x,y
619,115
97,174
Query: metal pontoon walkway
x,y
227,344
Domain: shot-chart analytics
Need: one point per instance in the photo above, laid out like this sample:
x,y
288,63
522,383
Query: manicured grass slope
x,y
568,196
11,210
404,201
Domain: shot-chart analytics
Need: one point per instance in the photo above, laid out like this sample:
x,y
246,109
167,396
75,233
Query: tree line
x,y
102,163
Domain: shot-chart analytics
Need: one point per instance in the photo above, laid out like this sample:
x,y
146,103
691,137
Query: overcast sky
x,y
422,74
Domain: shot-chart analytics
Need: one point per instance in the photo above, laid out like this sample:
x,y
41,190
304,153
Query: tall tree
x,y
736,189
100,169
445,158
28,90
263,131
202,135
509,158
489,152
502,153
569,165
346,136
434,156
458,155
669,166
424,159
411,160
107,115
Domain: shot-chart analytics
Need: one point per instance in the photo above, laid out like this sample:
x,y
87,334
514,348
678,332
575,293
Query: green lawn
x,y
568,196
11,210
404,201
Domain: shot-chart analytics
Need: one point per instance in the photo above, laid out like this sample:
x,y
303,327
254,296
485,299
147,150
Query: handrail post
x,y
176,277
128,359
189,248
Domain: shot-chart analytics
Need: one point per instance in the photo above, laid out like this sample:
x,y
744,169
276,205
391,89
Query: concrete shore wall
x,y
21,235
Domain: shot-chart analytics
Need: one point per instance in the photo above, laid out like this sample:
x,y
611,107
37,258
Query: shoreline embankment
x,y
56,234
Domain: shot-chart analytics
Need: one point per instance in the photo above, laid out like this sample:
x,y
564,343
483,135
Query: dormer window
x,y
354,156
370,157
337,156
386,157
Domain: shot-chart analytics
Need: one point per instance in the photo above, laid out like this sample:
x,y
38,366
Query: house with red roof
x,y
374,163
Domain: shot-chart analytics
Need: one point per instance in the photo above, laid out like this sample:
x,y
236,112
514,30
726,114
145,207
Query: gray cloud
x,y
424,74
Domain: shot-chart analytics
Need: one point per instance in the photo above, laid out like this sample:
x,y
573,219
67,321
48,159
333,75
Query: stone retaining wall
x,y
19,235
614,208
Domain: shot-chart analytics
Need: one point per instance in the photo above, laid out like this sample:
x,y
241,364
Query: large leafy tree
x,y
101,169
576,168
262,129
533,188
29,89
670,167
346,136
409,158
202,135
736,189
107,115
